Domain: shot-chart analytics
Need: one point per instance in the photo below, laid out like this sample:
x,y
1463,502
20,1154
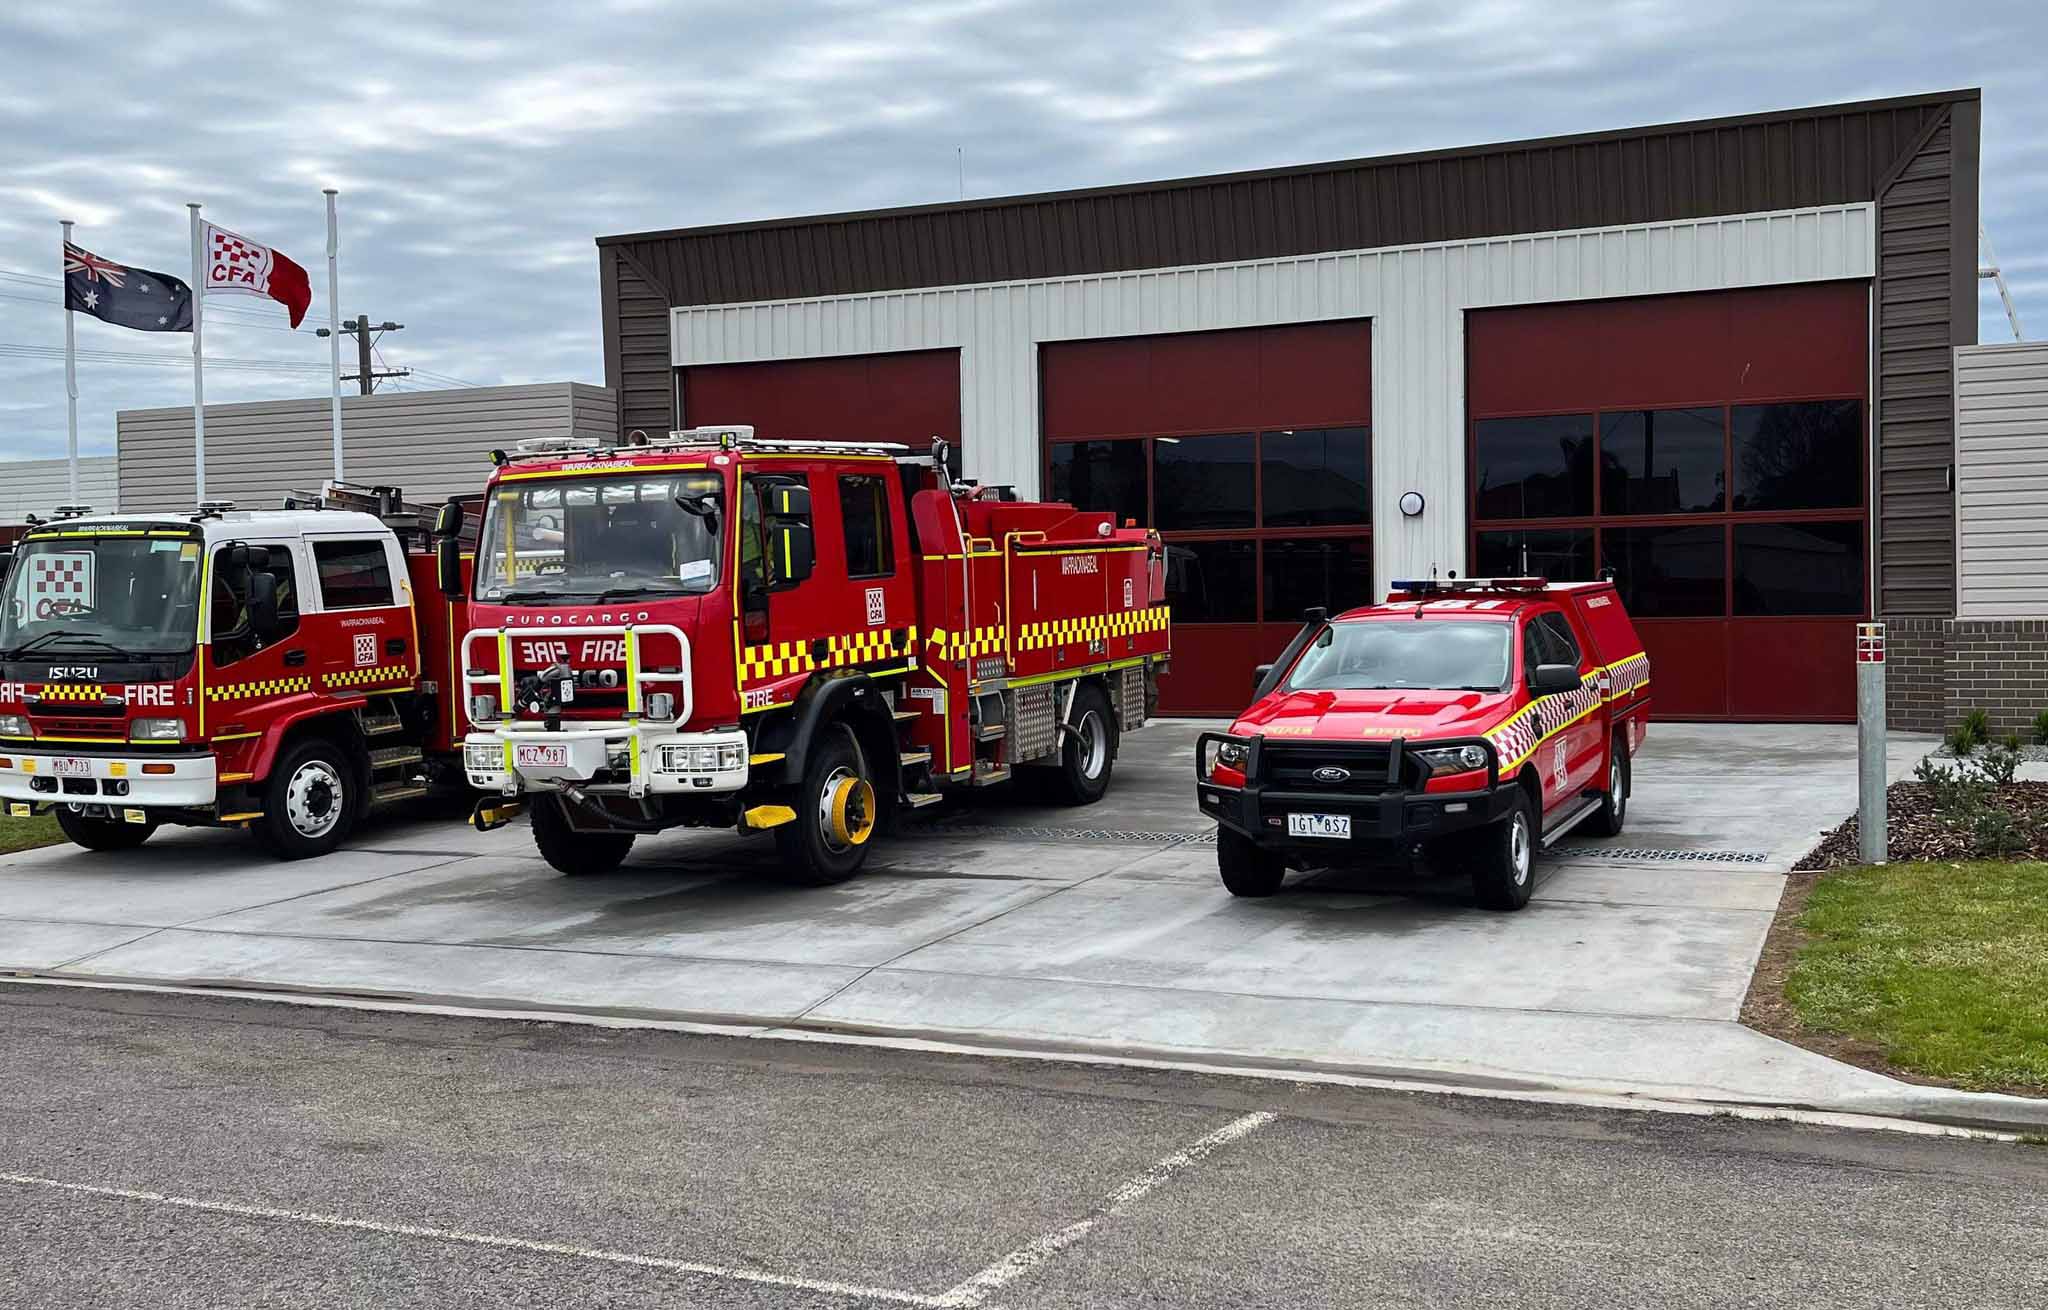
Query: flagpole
x,y
198,362
334,324
70,364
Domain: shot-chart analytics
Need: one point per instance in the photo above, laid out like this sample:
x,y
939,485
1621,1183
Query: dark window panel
x,y
1203,483
1669,572
1559,554
1800,456
1533,468
353,574
1661,461
1335,573
1102,475
1212,581
1799,568
864,513
1316,477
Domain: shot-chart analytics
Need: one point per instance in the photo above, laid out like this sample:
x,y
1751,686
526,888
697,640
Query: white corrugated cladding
x,y
2002,481
37,486
430,443
1415,295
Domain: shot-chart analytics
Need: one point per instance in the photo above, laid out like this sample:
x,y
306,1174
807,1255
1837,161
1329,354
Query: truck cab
x,y
255,669
1469,721
709,630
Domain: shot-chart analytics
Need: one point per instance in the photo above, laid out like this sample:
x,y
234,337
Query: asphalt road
x,y
170,1151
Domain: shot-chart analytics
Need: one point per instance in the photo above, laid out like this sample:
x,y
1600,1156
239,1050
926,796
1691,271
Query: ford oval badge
x,y
1331,773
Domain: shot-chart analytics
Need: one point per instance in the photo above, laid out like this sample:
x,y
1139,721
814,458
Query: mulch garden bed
x,y
1914,832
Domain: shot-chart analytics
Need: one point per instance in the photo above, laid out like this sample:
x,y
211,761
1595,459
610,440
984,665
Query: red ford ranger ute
x,y
1470,722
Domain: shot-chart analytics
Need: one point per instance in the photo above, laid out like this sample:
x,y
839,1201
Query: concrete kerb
x,y
1910,1108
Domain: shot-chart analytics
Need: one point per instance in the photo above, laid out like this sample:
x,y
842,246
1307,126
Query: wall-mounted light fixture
x,y
1411,504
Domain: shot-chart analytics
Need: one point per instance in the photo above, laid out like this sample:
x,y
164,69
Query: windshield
x,y
601,536
127,595
1398,653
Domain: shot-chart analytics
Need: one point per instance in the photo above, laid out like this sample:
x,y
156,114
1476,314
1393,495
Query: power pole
x,y
367,374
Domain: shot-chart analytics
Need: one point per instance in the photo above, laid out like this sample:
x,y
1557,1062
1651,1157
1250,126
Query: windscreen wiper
x,y
33,642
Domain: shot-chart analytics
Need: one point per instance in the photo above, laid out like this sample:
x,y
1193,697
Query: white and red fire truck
x,y
711,630
263,669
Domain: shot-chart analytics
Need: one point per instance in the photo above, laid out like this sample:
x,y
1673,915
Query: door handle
x,y
295,658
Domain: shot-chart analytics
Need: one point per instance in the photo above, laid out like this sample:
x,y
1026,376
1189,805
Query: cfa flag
x,y
237,264
126,297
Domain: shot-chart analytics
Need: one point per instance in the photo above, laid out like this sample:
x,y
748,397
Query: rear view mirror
x,y
263,605
789,500
794,550
448,521
1259,676
1554,679
448,563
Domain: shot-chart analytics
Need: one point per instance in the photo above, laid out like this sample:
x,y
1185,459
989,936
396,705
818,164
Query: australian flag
x,y
126,297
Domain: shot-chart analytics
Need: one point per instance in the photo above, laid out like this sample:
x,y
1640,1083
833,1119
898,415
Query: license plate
x,y
71,766
1319,825
541,757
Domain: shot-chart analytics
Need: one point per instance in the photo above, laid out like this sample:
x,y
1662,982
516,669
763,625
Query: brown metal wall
x,y
1726,166
1925,301
636,345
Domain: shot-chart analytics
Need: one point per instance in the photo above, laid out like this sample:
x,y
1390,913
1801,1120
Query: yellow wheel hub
x,y
852,811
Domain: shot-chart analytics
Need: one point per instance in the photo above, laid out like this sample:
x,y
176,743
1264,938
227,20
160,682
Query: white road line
x,y
1024,1259
823,1286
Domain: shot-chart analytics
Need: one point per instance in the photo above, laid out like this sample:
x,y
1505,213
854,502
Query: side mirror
x,y
1554,679
263,605
448,562
236,554
793,548
448,521
1259,675
789,500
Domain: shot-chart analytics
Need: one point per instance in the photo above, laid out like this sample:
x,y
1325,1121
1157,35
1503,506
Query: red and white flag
x,y
238,265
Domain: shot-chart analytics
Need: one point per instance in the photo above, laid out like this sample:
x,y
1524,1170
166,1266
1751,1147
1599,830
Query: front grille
x,y
48,727
1292,766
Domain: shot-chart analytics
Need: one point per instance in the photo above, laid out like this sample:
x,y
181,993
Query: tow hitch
x,y
491,813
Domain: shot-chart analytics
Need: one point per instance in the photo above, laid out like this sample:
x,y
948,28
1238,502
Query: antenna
x,y
1991,271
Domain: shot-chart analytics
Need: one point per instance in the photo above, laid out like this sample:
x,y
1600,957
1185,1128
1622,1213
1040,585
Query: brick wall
x,y
1938,670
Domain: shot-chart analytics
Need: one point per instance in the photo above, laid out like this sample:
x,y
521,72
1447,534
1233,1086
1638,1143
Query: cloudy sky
x,y
480,148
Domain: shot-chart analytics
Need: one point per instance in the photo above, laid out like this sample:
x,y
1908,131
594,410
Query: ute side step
x,y
1568,822
909,758
987,773
398,791
381,725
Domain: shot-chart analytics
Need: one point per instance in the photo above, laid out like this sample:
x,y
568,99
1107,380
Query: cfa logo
x,y
1558,772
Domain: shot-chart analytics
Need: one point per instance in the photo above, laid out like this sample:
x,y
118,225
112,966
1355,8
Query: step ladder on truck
x,y
808,639
282,671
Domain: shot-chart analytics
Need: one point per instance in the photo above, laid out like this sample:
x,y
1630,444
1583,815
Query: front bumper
x,y
610,758
33,775
1389,812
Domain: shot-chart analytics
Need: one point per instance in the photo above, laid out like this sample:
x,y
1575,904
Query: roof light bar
x,y
1426,586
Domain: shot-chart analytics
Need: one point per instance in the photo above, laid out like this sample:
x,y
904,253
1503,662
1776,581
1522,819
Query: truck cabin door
x,y
364,633
249,671
1567,761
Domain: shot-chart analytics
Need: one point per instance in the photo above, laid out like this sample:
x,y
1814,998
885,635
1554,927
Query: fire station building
x,y
1718,357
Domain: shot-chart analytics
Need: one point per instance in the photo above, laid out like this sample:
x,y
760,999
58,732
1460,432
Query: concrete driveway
x,y
1102,929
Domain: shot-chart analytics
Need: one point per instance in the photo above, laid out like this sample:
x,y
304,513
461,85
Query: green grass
x,y
27,834
1944,967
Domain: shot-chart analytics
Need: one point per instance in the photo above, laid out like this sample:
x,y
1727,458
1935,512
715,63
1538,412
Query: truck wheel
x,y
102,834
836,813
309,801
1504,858
1247,870
572,853
1088,753
1607,820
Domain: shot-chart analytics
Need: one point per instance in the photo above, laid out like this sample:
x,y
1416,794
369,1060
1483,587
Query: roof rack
x,y
1425,586
388,504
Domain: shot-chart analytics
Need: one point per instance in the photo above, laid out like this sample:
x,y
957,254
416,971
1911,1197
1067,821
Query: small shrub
x,y
1972,732
2041,728
1996,833
2011,741
1997,765
1959,794
1959,743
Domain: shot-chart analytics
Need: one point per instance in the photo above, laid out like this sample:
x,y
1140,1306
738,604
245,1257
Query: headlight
x,y
14,725
483,709
1230,752
703,758
1454,759
484,757
157,730
661,705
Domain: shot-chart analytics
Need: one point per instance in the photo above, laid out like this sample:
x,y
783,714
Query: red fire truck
x,y
262,669
711,630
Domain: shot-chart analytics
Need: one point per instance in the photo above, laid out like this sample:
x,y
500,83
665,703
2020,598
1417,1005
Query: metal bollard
x,y
1870,752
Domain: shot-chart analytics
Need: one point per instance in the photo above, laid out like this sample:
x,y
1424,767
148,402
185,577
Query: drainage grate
x,y
1002,832
1635,854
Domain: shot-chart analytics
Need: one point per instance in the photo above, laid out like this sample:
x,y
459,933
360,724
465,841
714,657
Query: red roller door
x,y
1713,450
908,397
1249,450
